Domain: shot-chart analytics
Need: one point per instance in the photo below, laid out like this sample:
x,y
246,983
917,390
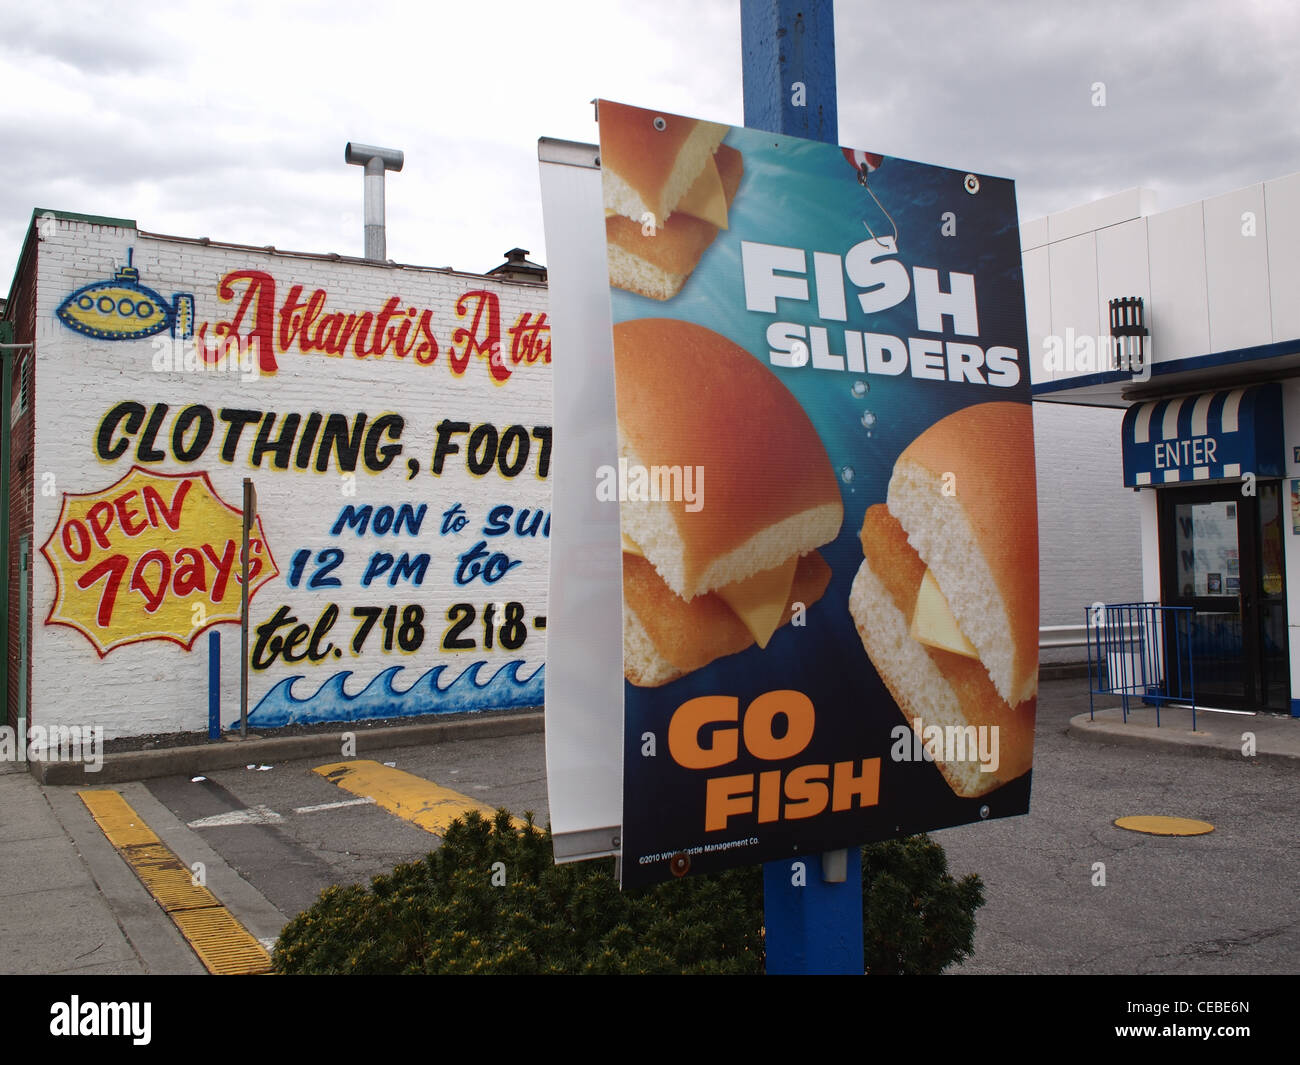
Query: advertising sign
x,y
826,488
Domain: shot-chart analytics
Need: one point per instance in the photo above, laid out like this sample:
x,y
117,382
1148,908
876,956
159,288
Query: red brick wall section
x,y
22,312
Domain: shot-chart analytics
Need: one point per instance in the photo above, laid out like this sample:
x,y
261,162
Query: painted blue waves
x,y
504,690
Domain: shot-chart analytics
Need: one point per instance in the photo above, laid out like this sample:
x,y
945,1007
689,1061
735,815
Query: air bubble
x,y
846,474
861,388
868,420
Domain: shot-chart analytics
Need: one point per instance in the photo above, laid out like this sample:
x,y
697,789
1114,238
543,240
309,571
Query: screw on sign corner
x,y
680,864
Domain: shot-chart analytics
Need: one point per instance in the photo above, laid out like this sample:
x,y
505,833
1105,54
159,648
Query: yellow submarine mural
x,y
123,309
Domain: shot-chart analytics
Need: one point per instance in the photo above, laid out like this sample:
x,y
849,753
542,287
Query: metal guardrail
x,y
1140,651
1051,637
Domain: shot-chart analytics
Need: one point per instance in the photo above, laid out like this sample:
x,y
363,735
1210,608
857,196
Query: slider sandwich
x,y
713,576
667,192
946,599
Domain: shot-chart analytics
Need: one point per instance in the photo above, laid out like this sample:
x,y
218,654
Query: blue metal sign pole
x,y
812,904
214,684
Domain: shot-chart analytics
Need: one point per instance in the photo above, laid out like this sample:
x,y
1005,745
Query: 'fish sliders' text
x,y
774,272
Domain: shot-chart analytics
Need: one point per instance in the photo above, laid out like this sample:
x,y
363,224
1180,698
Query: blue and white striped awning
x,y
1211,437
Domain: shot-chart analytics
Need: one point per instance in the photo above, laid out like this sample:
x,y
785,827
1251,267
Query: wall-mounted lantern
x,y
1128,328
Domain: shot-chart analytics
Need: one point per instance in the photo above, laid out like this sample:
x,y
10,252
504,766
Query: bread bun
x,y
931,686
964,492
688,397
657,264
648,169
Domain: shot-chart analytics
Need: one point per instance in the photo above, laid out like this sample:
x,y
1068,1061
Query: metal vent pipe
x,y
376,161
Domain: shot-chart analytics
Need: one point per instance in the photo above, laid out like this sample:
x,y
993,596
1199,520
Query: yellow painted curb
x,y
223,945
422,802
1154,825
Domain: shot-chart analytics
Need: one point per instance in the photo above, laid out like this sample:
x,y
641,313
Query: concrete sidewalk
x,y
68,903
1218,734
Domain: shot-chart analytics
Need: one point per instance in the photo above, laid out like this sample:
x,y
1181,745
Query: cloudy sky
x,y
229,120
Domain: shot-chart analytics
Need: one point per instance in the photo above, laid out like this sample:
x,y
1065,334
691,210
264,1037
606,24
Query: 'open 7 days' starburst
x,y
154,556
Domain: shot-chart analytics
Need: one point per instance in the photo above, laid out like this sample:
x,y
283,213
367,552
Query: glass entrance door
x,y
1221,553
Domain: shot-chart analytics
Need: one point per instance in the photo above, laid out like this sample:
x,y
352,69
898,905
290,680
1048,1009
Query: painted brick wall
x,y
353,614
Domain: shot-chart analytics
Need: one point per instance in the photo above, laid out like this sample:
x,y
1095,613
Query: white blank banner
x,y
584,674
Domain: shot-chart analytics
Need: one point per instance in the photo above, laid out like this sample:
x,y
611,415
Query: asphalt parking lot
x,y
1222,903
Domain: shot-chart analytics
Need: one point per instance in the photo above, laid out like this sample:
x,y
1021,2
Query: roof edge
x,y
93,219
68,216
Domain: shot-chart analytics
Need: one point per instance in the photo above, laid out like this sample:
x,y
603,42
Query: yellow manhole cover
x,y
1164,826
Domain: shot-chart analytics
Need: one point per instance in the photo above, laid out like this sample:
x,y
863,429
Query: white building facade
x,y
1206,371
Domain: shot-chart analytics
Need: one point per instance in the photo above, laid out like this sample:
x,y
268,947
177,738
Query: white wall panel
x,y
1122,266
1148,514
1179,313
1073,265
1038,309
1033,234
1282,202
1236,270
1109,211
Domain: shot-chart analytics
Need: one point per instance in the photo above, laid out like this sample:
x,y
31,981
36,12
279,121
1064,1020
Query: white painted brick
x,y
157,686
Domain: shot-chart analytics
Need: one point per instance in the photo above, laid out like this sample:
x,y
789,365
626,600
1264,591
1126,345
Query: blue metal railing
x,y
1140,651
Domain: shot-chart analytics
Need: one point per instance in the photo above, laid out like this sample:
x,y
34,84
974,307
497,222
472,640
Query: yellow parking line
x,y
224,945
420,801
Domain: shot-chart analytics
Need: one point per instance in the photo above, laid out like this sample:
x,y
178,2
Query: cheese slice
x,y
705,199
759,601
933,623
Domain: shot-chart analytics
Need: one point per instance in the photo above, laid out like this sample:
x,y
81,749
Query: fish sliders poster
x,y
826,490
